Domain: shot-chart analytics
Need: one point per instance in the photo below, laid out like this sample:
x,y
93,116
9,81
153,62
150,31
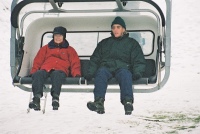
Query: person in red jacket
x,y
56,60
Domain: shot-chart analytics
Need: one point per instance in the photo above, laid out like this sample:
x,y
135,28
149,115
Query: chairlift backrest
x,y
40,26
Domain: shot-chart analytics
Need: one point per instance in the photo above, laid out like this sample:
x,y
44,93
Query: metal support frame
x,y
167,42
12,44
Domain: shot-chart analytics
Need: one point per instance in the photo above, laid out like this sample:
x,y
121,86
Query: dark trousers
x,y
39,77
123,76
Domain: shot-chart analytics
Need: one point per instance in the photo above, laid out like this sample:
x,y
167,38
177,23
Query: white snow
x,y
173,109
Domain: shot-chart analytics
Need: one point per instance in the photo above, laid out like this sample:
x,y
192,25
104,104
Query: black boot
x,y
55,102
128,106
97,105
35,104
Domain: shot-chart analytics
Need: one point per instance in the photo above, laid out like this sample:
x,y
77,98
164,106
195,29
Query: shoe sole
x,y
92,107
128,108
55,105
34,106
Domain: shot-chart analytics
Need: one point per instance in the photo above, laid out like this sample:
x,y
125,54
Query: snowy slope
x,y
174,109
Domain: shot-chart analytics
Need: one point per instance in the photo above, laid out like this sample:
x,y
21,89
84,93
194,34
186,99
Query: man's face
x,y
117,30
58,38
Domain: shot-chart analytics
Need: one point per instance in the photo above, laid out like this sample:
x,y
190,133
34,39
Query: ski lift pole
x,y
167,41
13,44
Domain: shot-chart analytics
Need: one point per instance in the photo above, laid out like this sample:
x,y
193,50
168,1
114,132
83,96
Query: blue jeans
x,y
123,76
39,77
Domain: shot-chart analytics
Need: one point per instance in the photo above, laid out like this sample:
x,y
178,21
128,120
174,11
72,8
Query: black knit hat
x,y
60,30
120,21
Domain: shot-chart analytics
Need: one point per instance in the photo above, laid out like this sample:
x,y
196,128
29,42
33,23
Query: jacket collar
x,y
52,44
121,37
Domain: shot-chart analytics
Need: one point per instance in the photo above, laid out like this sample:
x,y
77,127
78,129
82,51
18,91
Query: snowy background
x,y
174,109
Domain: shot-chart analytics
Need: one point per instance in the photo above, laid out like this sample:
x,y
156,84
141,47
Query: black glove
x,y
30,75
136,76
88,77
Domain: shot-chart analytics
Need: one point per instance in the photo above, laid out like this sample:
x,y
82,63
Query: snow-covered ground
x,y
173,109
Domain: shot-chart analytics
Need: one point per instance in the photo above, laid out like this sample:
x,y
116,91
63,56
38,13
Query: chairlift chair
x,y
32,25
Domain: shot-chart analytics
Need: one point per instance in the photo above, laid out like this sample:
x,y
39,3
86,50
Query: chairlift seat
x,y
148,77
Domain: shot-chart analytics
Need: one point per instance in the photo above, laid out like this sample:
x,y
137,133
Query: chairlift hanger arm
x,y
119,4
53,4
55,7
19,6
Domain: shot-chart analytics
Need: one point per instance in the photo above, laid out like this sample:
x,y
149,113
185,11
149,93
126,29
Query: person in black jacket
x,y
117,56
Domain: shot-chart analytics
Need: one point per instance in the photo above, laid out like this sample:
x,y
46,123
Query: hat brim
x,y
57,33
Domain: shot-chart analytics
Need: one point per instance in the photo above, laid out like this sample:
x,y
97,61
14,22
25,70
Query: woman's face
x,y
58,38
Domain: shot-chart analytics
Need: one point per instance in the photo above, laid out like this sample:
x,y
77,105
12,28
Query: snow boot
x,y
55,102
97,105
35,104
128,106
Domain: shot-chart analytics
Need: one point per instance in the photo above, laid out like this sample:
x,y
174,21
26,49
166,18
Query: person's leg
x,y
39,78
124,78
100,84
37,87
57,78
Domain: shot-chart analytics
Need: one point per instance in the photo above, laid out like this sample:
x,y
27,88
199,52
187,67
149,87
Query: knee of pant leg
x,y
103,71
58,73
123,73
55,72
39,74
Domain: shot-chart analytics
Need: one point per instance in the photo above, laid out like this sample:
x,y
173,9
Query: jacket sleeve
x,y
75,66
39,59
95,59
138,61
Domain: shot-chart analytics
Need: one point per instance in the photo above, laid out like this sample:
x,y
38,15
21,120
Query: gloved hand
x,y
88,77
136,76
30,75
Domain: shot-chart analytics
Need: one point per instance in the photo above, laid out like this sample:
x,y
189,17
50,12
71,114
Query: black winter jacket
x,y
115,53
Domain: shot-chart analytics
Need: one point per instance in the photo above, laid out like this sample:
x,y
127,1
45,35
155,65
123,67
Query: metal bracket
x,y
53,4
119,4
80,81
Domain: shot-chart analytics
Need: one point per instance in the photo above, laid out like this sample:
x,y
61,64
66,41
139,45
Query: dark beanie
x,y
60,30
120,21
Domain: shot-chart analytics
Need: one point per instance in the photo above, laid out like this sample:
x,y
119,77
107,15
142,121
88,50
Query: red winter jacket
x,y
54,57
